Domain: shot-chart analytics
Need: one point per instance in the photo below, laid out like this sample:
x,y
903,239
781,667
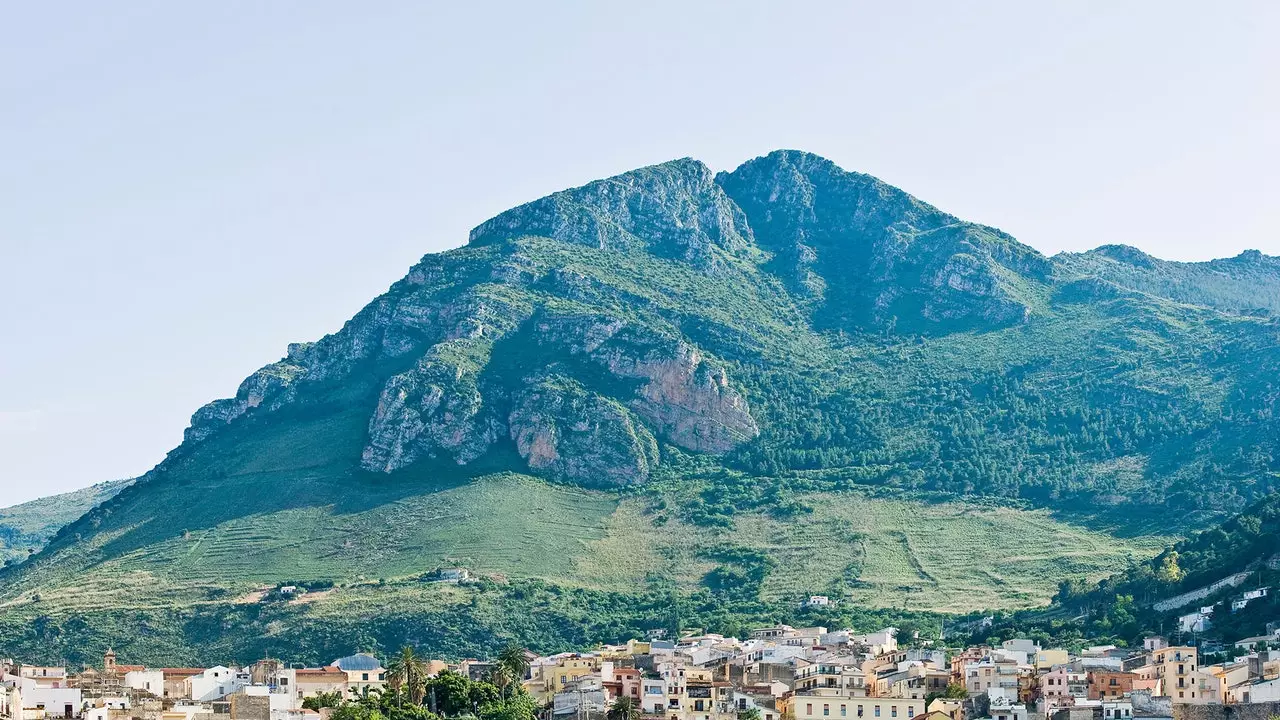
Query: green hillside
x,y
674,397
1129,604
867,549
25,528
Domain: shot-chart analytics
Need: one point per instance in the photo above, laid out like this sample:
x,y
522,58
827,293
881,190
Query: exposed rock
x,y
675,209
435,410
686,396
271,386
566,431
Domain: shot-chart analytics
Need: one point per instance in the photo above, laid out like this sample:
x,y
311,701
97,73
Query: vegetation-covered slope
x,y
1148,595
25,528
713,372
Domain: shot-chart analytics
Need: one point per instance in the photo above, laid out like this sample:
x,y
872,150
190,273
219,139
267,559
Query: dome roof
x,y
359,661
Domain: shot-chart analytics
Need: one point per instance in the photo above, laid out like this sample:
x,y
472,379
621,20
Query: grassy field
x,y
878,552
562,567
872,551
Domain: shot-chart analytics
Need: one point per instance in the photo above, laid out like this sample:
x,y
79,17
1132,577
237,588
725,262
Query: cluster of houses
x,y
1201,620
266,690
777,673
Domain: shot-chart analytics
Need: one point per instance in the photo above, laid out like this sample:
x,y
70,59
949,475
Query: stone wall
x,y
1144,705
250,707
1244,711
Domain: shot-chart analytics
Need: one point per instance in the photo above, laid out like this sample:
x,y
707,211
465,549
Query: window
x,y
893,711
877,711
859,711
844,711
808,708
364,676
826,710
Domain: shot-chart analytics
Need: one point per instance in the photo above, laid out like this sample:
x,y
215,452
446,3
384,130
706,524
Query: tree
x,y
749,714
357,711
408,673
624,708
520,707
513,666
450,693
954,691
322,700
1169,571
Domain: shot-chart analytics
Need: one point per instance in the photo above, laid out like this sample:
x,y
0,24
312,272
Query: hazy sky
x,y
187,187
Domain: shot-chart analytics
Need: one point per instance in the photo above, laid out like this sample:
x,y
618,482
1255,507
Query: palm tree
x,y
501,677
408,673
624,708
513,663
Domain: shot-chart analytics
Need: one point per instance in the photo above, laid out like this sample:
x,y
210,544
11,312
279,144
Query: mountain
x,y
25,528
673,397
1244,284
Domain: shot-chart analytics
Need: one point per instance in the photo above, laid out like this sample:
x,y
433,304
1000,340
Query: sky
x,y
185,188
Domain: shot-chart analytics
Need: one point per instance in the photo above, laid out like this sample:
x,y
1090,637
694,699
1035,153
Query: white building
x,y
41,698
281,701
1027,647
1196,622
1243,601
1256,692
766,706
1004,705
150,681
879,643
1117,710
214,683
653,696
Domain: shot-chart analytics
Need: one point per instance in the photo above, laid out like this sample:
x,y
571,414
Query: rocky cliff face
x,y
866,254
495,345
439,327
673,210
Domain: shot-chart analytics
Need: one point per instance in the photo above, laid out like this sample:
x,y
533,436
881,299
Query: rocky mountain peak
x,y
673,210
1125,254
868,255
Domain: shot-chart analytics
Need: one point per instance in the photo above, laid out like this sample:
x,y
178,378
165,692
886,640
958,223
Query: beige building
x,y
364,672
870,708
833,676
1174,669
310,682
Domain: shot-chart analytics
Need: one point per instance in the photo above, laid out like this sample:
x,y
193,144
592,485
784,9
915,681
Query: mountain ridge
x,y
688,357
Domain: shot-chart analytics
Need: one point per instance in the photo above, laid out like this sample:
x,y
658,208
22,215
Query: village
x,y
777,673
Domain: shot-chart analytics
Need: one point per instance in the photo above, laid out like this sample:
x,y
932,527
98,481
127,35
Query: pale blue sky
x,y
187,187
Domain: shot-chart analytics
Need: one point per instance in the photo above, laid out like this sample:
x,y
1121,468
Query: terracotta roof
x,y
130,668
181,671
